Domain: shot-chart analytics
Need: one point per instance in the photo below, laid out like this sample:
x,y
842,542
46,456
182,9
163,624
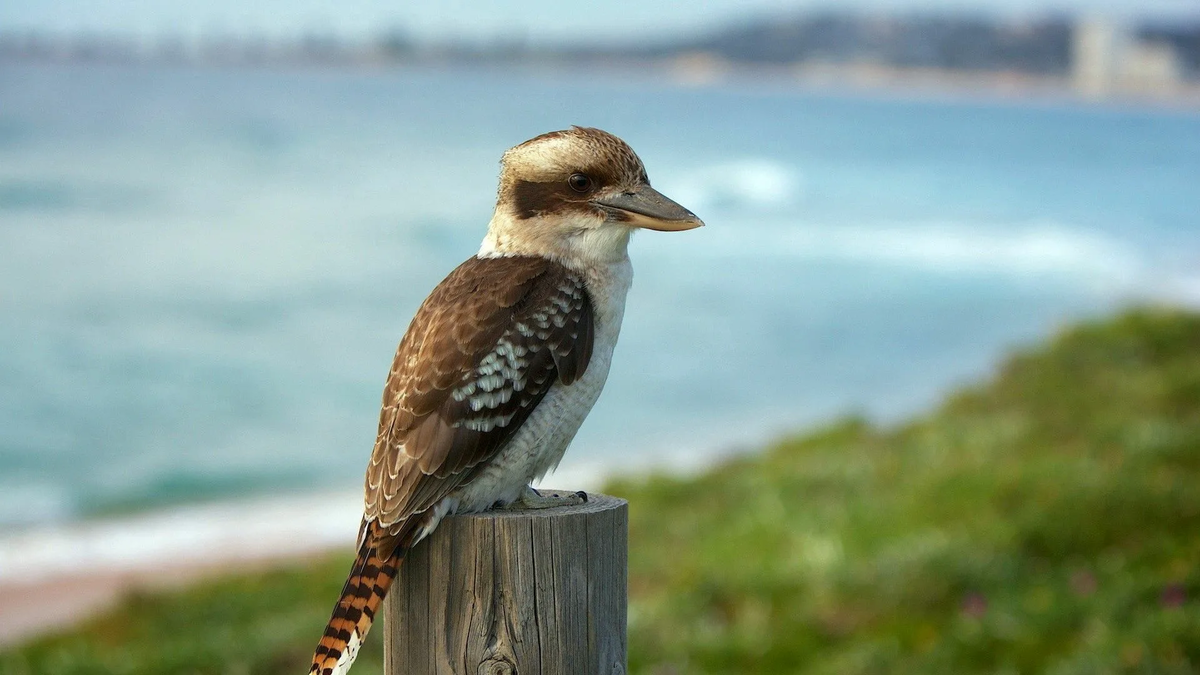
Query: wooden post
x,y
514,593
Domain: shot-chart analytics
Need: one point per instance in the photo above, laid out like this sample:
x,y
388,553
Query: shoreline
x,y
53,576
30,610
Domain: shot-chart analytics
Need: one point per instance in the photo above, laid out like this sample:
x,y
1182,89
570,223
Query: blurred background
x,y
216,220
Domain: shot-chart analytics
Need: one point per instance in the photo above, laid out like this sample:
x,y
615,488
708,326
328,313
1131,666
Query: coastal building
x,y
1095,56
1152,68
1108,59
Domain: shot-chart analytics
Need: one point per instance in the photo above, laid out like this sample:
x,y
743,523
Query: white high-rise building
x,y
1107,59
1096,56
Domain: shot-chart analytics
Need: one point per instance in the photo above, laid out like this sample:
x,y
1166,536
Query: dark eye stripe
x,y
530,199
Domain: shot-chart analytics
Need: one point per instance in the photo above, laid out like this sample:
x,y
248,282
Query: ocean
x,y
204,273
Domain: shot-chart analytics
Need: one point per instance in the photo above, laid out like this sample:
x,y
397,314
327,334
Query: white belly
x,y
538,446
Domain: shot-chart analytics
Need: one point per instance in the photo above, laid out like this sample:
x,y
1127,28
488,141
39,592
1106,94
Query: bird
x,y
503,361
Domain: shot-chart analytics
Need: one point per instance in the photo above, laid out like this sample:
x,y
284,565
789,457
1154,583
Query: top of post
x,y
596,503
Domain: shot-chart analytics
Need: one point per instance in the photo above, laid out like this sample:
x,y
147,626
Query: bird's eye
x,y
579,182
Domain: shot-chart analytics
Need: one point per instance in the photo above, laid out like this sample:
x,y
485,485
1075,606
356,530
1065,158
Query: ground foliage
x,y
1047,521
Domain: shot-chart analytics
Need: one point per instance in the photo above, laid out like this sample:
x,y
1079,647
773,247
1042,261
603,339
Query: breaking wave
x,y
751,183
221,532
1036,249
753,208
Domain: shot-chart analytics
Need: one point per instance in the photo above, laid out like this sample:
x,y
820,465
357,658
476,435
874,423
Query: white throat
x,y
582,245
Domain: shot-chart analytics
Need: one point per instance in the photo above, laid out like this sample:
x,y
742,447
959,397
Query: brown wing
x,y
480,354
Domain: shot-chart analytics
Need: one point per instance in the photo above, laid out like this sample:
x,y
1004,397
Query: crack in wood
x,y
514,593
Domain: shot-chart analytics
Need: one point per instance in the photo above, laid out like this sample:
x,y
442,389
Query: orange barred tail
x,y
355,610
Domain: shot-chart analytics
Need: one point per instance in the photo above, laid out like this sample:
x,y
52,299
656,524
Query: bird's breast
x,y
539,444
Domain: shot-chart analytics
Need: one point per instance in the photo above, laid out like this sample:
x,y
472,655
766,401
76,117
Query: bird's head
x,y
577,195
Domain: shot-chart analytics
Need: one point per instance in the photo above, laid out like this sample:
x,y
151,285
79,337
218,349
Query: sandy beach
x,y
57,575
30,609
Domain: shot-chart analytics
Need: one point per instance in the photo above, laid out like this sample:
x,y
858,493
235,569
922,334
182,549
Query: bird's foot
x,y
532,499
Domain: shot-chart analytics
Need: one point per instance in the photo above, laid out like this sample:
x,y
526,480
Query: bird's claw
x,y
532,499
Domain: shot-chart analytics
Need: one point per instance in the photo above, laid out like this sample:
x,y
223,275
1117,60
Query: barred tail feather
x,y
354,612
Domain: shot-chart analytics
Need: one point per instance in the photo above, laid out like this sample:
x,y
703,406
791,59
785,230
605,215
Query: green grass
x,y
1047,521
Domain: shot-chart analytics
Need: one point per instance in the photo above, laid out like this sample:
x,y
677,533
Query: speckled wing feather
x,y
480,354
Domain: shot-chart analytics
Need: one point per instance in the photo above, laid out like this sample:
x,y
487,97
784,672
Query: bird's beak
x,y
646,207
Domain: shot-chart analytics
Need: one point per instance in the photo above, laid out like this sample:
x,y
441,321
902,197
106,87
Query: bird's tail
x,y
354,612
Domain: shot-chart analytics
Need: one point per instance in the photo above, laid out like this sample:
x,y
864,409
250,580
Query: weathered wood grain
x,y
514,593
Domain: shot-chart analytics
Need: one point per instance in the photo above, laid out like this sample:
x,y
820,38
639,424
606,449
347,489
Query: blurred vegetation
x,y
1048,521
259,623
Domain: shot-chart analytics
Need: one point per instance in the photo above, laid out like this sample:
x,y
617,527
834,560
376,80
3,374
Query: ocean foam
x,y
748,183
1017,251
212,533
1026,249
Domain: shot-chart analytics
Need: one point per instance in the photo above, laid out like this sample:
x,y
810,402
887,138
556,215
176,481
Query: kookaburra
x,y
503,360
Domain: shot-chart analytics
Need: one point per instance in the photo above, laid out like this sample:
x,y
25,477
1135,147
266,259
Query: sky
x,y
530,19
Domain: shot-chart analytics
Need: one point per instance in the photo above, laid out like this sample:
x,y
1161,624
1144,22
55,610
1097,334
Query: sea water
x,y
204,273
